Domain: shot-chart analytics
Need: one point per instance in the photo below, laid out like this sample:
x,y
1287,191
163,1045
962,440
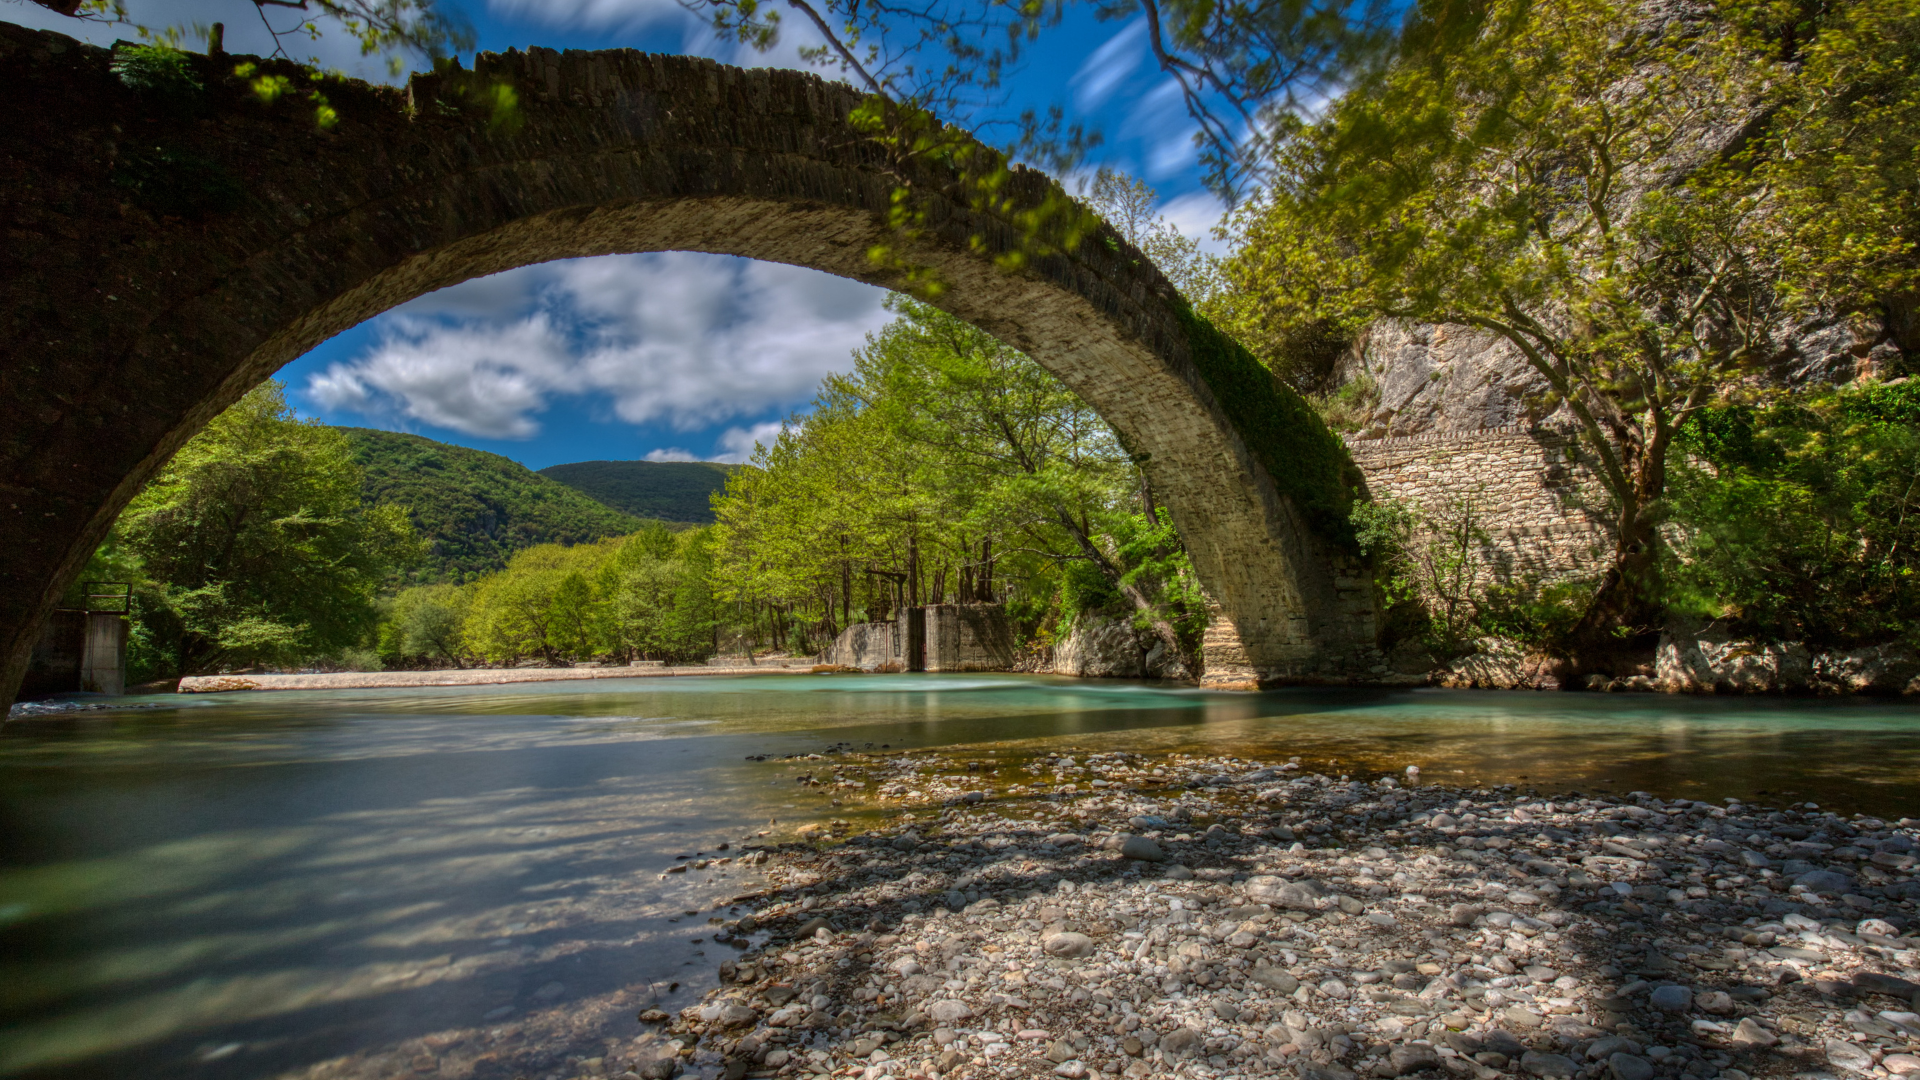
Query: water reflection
x,y
248,885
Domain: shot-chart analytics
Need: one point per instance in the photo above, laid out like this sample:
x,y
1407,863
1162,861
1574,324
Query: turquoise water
x,y
247,885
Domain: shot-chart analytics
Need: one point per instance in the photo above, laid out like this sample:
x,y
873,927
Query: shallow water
x,y
247,885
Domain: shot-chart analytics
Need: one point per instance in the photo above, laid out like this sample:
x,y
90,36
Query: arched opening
x,y
140,328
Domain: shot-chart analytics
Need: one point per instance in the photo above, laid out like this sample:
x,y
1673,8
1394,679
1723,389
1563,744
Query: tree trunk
x,y
913,571
1626,603
846,585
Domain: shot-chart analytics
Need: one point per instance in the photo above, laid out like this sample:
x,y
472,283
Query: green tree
x,y
1800,519
543,604
426,624
948,466
1562,186
257,542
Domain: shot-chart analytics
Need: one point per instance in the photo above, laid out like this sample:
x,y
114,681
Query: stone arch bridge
x,y
165,251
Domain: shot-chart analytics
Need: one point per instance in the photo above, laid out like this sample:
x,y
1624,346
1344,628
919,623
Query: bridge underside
x,y
165,256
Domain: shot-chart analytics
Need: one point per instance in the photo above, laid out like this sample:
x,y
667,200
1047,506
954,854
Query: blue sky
x,y
675,355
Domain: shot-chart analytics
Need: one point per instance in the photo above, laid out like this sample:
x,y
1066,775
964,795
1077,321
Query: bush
x,y
1083,588
1798,520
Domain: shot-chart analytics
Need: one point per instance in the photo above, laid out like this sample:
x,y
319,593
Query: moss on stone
x,y
1309,464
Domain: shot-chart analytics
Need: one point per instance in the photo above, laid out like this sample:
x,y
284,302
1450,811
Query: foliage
x,y
946,465
256,544
1844,145
1239,68
1432,566
666,490
644,596
424,625
1545,179
1130,205
1800,520
161,71
393,28
1307,462
474,508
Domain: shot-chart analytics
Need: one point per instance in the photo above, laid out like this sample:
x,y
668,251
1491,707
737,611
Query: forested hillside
x,y
476,508
668,490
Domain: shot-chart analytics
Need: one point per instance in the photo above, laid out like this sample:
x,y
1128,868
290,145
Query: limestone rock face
x,y
1444,378
1713,660
1110,647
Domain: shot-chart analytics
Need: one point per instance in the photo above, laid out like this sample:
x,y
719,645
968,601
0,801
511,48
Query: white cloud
x,y
594,14
679,339
672,453
1195,214
478,379
1103,71
737,444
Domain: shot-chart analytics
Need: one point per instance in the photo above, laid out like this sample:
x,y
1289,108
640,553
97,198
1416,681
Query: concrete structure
x,y
164,255
78,651
938,637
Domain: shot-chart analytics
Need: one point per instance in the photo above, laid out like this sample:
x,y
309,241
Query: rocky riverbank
x,y
1210,918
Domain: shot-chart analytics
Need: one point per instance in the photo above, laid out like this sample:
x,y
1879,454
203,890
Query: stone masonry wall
x,y
959,637
1529,489
968,637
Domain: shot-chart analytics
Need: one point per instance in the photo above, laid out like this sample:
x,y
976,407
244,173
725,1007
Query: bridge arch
x,y
124,330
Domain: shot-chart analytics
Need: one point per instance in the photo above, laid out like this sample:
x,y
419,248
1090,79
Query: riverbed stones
x,y
1180,1041
1749,1033
1624,1066
1273,977
1848,1055
1357,945
1302,895
1068,945
1141,848
1538,1063
1671,998
1412,1058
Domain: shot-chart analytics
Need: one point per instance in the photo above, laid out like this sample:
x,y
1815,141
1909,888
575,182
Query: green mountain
x,y
668,490
477,508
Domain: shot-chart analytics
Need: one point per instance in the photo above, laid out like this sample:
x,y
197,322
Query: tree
x,y
1240,68
1131,206
1573,190
543,604
948,465
426,623
257,540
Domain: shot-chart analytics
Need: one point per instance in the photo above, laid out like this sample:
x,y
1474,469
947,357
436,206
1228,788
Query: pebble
x,y
1847,1055
1671,998
1630,1067
1231,919
1069,945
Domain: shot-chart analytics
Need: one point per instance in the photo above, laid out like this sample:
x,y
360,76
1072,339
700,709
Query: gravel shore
x,y
1118,915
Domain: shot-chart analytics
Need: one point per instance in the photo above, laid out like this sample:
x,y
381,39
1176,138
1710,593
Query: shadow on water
x,y
247,884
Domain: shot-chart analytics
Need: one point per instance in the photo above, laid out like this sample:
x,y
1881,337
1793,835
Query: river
x,y
345,883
